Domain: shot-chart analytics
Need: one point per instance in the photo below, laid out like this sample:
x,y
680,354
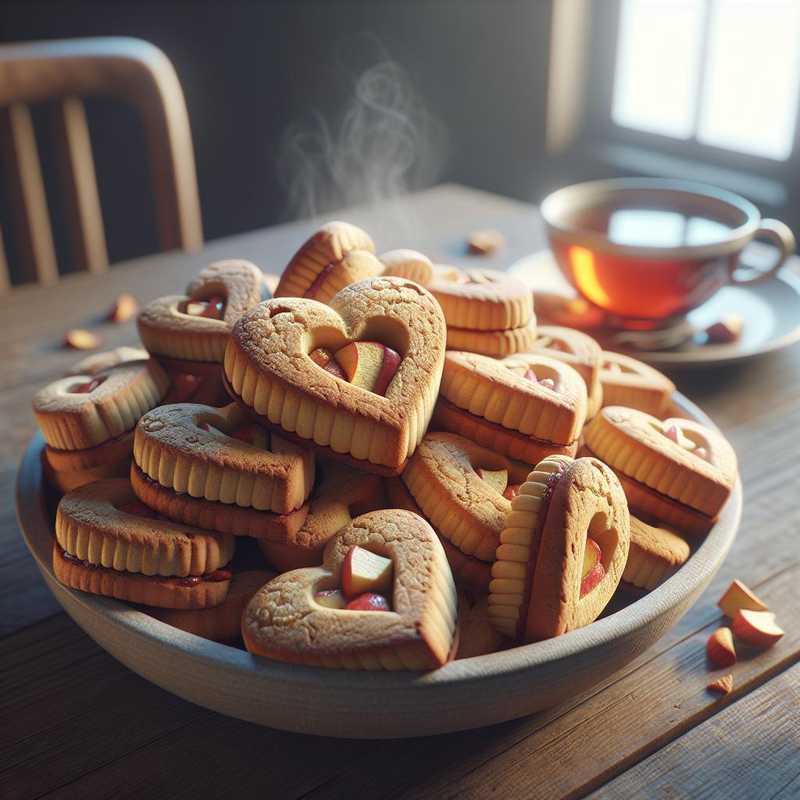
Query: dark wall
x,y
250,70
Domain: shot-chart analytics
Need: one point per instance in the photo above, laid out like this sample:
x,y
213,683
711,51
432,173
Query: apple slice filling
x,y
210,308
87,386
366,580
593,570
370,365
530,375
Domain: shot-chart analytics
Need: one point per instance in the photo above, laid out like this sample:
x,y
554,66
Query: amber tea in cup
x,y
648,251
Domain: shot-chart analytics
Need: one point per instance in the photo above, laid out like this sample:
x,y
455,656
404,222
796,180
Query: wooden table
x,y
74,723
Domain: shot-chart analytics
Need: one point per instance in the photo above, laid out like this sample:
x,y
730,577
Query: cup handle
x,y
777,233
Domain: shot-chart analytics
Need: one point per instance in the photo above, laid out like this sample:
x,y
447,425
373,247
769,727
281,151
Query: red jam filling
x,y
210,308
87,386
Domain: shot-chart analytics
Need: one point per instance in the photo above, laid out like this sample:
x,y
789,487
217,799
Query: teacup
x,y
649,250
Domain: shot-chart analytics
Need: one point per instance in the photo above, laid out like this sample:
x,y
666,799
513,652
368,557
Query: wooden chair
x,y
62,72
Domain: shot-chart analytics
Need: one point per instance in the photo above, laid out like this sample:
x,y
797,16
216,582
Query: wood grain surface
x,y
77,724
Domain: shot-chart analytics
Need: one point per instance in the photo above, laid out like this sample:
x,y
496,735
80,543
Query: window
x,y
722,74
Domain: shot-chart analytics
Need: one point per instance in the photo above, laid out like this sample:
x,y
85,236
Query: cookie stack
x,y
420,472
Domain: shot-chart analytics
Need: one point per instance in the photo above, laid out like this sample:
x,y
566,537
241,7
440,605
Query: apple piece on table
x,y
737,597
496,478
370,365
365,571
757,628
720,649
369,601
723,685
330,598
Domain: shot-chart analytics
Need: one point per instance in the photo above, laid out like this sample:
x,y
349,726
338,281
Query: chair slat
x,y
33,234
79,183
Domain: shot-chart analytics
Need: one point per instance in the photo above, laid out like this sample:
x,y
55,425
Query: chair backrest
x,y
62,72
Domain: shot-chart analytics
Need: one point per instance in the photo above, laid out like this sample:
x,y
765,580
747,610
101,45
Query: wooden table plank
x,y
758,742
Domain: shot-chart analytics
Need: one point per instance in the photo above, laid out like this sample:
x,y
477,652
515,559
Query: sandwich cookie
x,y
675,472
188,333
383,598
525,407
408,264
108,543
222,623
341,494
87,420
655,554
337,255
358,378
562,551
628,382
100,362
578,350
214,468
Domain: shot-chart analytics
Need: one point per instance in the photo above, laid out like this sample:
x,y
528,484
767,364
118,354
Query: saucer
x,y
770,311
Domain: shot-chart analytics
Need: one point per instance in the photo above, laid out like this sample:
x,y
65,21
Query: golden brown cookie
x,y
100,362
222,623
337,255
476,634
196,326
455,483
526,406
578,350
341,494
628,382
408,264
70,469
676,472
218,454
655,554
562,551
285,621
108,543
277,364
469,572
83,411
496,344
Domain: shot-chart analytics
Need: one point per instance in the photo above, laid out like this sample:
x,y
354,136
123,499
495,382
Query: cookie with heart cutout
x,y
340,494
215,468
675,472
628,382
581,352
525,406
82,411
459,487
562,551
190,331
100,362
108,543
333,257
357,379
383,598
655,554
222,623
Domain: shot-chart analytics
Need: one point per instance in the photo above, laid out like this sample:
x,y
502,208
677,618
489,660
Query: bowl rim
x,y
590,193
34,520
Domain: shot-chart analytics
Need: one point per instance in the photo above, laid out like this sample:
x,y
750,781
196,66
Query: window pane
x,y
751,87
658,65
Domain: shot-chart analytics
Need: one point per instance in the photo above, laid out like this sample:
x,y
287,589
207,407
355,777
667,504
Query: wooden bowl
x,y
469,693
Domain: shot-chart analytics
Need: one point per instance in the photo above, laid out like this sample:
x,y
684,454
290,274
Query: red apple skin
x,y
593,577
391,361
512,490
369,601
86,388
331,598
756,628
591,556
720,649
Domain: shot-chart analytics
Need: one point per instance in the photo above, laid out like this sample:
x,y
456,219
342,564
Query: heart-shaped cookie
x,y
108,543
628,382
676,471
195,327
285,622
269,368
525,406
578,350
219,455
341,494
337,255
562,551
83,411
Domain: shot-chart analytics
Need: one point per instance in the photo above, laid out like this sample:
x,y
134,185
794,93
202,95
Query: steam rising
x,y
385,144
